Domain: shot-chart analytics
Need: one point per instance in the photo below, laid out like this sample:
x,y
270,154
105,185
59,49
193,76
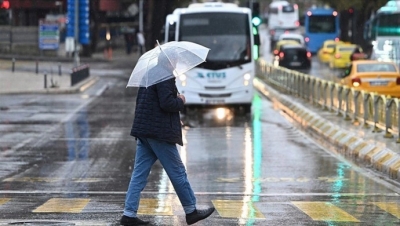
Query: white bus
x,y
226,78
283,15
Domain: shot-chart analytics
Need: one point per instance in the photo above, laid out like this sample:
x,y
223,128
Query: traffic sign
x,y
49,35
70,18
84,21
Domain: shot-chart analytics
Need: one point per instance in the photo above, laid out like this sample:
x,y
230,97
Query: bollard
x,y
13,65
45,80
59,68
37,67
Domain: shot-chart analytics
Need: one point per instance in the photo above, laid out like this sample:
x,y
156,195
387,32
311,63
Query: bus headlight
x,y
182,77
247,77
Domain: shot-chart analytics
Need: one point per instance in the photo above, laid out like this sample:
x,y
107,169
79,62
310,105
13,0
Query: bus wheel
x,y
246,108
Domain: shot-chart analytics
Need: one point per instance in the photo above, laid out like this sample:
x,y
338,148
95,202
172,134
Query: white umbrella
x,y
166,61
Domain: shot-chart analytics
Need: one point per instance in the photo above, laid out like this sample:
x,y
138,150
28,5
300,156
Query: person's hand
x,y
182,97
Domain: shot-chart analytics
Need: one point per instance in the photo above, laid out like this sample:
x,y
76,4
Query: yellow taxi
x,y
373,76
325,52
341,56
281,43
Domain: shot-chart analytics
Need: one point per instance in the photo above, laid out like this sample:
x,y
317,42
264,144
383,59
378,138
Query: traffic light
x,y
4,4
256,19
351,12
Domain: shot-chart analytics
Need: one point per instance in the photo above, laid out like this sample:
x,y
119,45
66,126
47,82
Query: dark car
x,y
276,33
294,56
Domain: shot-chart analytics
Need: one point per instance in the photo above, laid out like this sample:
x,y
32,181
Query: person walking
x,y
128,42
140,42
157,129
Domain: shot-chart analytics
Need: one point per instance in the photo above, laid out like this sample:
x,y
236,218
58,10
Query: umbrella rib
x,y
165,54
147,72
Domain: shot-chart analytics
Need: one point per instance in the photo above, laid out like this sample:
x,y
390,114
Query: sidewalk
x,y
30,74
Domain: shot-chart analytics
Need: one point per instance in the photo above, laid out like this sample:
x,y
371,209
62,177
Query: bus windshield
x,y
288,9
388,24
389,20
322,24
226,34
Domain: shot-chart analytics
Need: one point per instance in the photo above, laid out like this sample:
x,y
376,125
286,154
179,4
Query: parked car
x,y
294,56
340,57
325,52
373,76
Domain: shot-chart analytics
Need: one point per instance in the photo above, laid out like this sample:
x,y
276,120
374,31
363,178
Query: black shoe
x,y
198,215
132,221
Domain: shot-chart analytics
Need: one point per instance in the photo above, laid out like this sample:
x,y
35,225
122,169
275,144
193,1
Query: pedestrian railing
x,y
369,109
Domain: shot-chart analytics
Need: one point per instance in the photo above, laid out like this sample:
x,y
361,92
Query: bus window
x,y
322,24
171,32
288,9
219,32
273,10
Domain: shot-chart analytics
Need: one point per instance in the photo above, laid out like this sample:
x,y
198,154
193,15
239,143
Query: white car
x,y
293,36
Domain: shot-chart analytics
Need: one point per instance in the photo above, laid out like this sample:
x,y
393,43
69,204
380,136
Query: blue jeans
x,y
147,152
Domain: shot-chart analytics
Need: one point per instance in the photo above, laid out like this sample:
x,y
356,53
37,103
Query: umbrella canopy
x,y
166,61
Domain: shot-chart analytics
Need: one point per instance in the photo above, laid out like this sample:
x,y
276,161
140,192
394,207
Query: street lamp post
x,y
60,6
141,16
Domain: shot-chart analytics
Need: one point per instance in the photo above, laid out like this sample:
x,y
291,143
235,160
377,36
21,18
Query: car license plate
x,y
215,101
378,83
295,64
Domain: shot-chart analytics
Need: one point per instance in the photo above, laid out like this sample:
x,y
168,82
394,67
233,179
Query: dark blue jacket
x,y
157,113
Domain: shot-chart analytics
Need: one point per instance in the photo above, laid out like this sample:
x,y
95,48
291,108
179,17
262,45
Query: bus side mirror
x,y
257,40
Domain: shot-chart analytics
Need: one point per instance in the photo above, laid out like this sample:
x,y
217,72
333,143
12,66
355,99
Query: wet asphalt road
x,y
67,160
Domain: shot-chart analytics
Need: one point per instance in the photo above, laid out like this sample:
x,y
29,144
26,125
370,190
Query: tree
x,y
157,11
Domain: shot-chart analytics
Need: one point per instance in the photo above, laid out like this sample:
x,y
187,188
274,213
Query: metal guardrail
x,y
369,109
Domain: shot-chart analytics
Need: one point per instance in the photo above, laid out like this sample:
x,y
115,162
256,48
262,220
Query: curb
x,y
80,87
51,58
334,138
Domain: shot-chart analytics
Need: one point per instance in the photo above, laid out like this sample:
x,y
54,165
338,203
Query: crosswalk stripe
x,y
317,211
237,209
155,207
324,211
4,200
62,205
390,207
